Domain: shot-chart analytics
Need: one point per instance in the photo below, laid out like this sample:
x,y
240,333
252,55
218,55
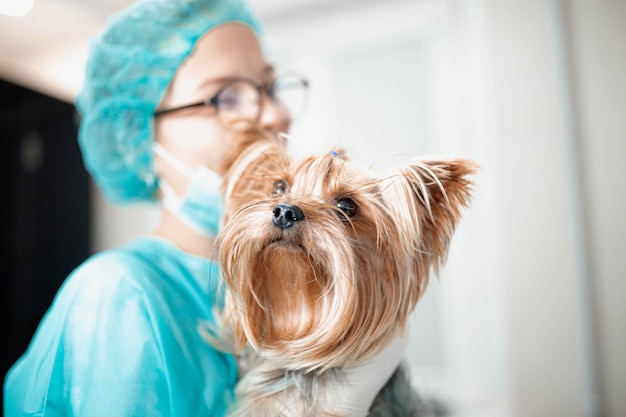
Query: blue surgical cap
x,y
130,65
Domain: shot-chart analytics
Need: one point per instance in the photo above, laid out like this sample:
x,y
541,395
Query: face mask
x,y
201,208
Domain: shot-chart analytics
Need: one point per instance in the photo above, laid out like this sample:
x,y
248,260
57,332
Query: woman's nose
x,y
272,118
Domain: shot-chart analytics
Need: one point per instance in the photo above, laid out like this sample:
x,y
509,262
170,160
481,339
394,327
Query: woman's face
x,y
196,136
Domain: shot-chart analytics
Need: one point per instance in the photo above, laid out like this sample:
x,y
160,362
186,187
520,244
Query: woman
x,y
121,337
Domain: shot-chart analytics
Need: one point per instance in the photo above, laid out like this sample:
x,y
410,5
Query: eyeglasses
x,y
242,97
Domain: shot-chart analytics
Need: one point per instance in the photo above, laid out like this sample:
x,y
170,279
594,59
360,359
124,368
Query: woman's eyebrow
x,y
268,69
214,82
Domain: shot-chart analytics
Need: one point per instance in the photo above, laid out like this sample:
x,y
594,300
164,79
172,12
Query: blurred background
x,y
528,318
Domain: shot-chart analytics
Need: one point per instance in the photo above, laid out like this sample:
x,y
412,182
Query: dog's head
x,y
323,260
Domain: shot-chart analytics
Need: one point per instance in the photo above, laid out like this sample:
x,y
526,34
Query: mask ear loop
x,y
203,182
171,200
172,160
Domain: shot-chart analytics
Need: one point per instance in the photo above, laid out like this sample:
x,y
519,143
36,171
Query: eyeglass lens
x,y
242,97
289,92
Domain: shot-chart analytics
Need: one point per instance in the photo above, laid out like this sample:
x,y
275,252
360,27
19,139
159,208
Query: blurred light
x,y
16,8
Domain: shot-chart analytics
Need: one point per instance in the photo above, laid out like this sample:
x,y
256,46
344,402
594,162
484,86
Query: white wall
x,y
538,232
598,62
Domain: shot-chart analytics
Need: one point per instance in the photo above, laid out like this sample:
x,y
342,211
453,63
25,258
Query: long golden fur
x,y
323,260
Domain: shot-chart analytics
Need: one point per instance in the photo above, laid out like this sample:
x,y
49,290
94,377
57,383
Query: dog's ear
x,y
426,198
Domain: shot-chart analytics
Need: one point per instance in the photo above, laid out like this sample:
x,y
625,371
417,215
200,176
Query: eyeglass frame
x,y
261,87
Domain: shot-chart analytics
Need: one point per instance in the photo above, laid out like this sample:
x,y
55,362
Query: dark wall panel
x,y
45,198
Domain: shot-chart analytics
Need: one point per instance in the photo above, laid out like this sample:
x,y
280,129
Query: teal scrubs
x,y
121,339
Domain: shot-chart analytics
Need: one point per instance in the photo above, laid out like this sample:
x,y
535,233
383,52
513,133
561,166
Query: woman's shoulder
x,y
132,265
108,281
151,273
119,293
112,315
133,254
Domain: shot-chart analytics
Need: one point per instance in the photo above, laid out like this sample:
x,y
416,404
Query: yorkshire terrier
x,y
323,261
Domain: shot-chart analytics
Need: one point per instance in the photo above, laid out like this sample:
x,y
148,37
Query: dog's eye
x,y
347,205
280,187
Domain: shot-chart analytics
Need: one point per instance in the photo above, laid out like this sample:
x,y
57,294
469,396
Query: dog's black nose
x,y
285,215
